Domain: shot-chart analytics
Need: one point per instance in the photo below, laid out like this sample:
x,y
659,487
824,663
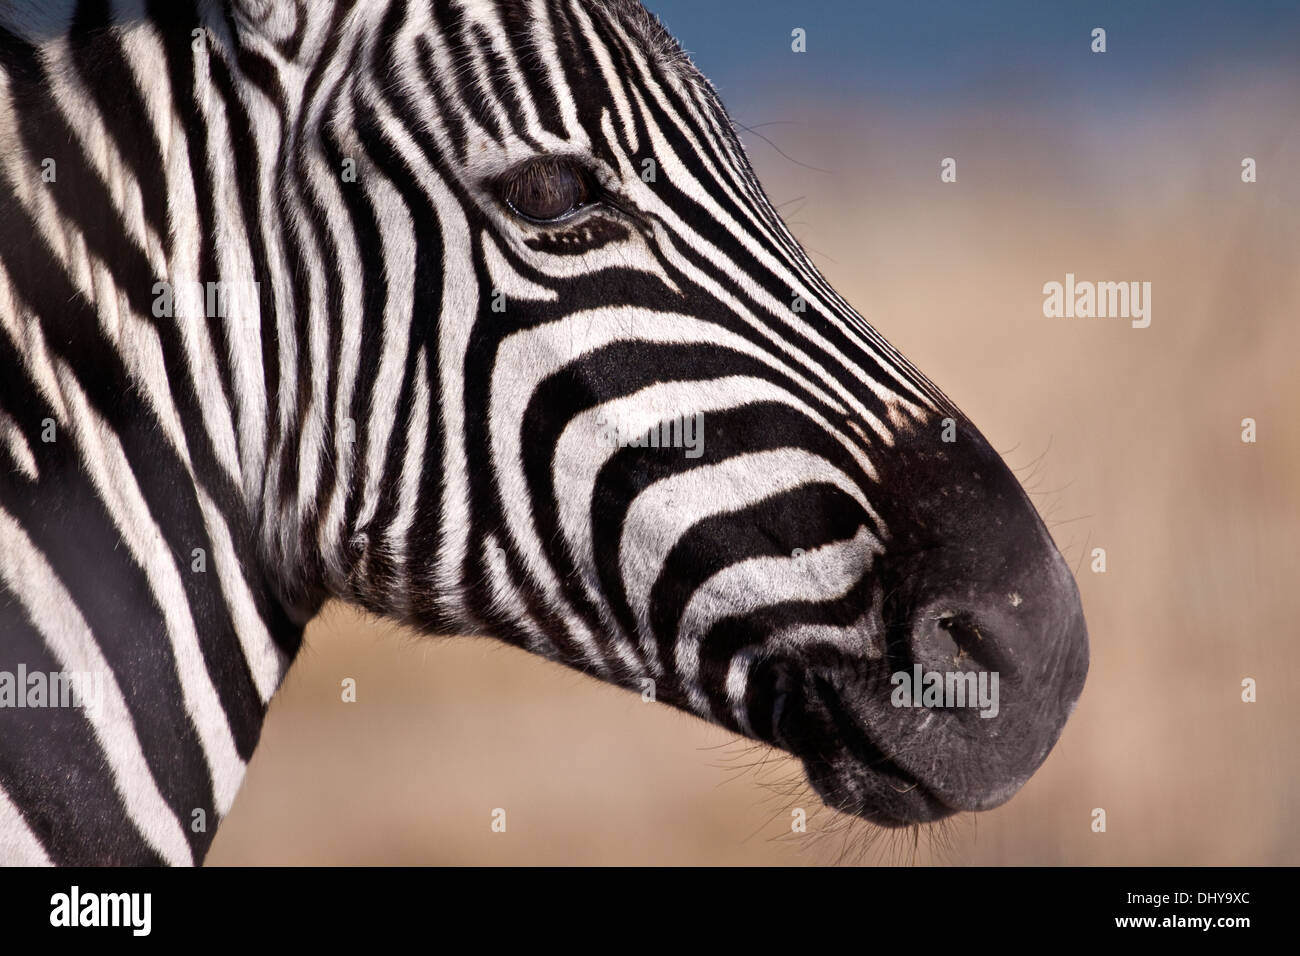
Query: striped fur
x,y
363,424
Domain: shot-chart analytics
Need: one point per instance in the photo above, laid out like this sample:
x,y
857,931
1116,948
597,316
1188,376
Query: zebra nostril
x,y
964,633
933,639
950,638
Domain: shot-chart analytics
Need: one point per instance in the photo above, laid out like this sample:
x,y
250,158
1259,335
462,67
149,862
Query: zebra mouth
x,y
884,796
858,778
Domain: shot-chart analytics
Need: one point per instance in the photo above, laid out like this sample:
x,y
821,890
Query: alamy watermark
x,y
23,688
683,431
1101,300
133,911
946,689
210,300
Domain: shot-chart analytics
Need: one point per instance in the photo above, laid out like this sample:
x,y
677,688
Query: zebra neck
x,y
138,401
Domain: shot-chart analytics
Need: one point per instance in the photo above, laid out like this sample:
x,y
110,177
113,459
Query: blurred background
x,y
1115,166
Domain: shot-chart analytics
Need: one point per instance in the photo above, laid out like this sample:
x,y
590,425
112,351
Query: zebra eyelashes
x,y
548,190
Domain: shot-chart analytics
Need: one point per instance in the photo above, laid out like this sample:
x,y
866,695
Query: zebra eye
x,y
546,190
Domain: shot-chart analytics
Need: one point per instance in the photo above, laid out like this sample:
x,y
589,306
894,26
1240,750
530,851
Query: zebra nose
x,y
1012,627
986,646
979,583
1008,660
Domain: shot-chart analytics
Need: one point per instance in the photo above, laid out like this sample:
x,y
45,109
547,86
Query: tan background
x,y
1129,439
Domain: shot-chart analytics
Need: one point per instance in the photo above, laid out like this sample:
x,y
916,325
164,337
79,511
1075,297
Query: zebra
x,y
343,300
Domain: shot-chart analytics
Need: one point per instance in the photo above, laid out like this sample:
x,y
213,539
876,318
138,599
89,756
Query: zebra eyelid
x,y
604,203
600,197
563,220
504,184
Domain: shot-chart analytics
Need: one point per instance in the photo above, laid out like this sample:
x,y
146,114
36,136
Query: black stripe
x,y
426,308
805,517
463,72
456,129
53,769
73,331
521,31
248,164
373,294
97,53
67,521
326,250
176,19
501,82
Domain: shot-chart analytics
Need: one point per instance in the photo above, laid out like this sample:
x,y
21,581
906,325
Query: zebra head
x,y
515,345
608,410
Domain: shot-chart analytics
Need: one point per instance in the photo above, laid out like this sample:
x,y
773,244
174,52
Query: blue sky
x,y
929,50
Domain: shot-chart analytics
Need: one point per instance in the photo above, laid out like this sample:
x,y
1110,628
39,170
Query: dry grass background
x,y
1129,439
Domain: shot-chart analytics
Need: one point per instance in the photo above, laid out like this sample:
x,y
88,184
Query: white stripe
x,y
669,508
549,55
55,616
579,455
737,683
396,241
612,80
266,662
509,601
350,312
144,52
525,359
111,473
505,278
412,478
15,443
823,574
18,845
